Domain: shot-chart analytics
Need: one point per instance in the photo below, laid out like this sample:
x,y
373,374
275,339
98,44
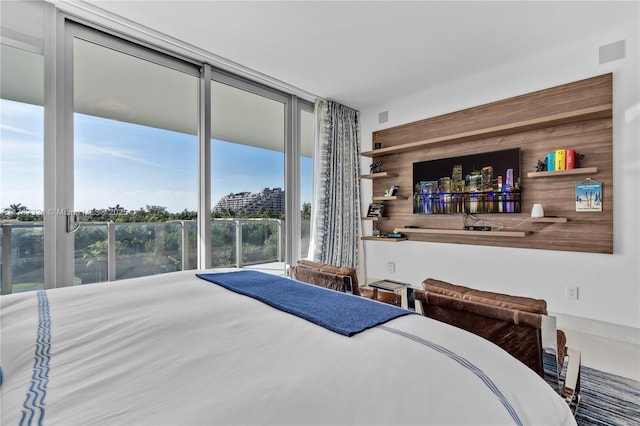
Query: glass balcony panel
x,y
223,242
91,254
27,258
148,249
260,242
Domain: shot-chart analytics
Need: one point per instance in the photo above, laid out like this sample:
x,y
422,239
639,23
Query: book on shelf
x,y
551,161
375,210
560,159
570,159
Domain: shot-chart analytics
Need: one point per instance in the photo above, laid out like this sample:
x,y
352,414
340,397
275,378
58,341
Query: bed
x,y
179,349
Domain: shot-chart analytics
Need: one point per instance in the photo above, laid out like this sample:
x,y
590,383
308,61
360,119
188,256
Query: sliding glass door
x,y
21,170
135,160
22,147
121,159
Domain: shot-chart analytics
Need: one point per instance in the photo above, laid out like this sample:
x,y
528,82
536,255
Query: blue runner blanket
x,y
342,313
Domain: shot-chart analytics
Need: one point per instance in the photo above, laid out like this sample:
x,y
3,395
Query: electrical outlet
x,y
391,267
572,293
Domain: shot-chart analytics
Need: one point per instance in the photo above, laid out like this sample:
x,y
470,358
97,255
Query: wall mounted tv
x,y
488,182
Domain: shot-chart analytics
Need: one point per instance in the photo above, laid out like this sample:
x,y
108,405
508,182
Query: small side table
x,y
399,289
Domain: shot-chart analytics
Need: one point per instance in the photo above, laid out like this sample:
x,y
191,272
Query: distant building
x,y
253,202
457,179
487,179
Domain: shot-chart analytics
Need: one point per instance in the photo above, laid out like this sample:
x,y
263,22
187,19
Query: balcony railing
x,y
108,251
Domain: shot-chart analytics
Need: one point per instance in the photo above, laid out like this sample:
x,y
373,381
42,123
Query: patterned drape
x,y
336,231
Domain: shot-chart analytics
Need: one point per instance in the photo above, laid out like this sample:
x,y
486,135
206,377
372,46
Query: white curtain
x,y
335,218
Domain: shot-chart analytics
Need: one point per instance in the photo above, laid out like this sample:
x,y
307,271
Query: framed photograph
x,y
589,196
375,210
393,190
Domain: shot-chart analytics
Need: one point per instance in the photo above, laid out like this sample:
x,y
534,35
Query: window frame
x,y
60,30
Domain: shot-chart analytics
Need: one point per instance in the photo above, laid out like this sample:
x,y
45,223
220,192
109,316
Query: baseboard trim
x,y
607,330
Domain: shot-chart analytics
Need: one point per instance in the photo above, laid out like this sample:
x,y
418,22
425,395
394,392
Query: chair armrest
x,y
571,387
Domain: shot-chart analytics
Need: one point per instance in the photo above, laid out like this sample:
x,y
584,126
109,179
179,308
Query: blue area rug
x,y
339,312
608,399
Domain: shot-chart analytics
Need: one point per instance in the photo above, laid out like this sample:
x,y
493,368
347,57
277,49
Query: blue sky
x,y
130,165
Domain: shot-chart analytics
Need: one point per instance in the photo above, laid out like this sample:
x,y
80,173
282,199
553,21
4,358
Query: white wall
x,y
609,285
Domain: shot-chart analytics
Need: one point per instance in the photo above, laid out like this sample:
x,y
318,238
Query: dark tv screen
x,y
488,182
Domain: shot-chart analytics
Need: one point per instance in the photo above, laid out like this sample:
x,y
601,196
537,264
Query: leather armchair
x,y
343,279
333,277
519,325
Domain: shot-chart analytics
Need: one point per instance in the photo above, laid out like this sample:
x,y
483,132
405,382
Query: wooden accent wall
x,y
572,116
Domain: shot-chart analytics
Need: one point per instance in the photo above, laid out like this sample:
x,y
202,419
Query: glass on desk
x,y
399,289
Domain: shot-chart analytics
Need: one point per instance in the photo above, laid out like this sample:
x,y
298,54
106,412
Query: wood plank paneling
x,y
591,136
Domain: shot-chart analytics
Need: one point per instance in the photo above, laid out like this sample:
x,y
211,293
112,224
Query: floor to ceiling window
x,y
247,175
102,176
21,148
306,175
135,164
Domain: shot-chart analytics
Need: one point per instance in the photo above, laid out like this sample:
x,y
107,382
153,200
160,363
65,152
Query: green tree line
x,y
148,241
150,213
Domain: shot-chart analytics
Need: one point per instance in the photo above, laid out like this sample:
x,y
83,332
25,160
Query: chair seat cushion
x,y
383,296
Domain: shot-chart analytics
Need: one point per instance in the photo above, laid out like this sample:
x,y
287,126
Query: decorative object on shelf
x,y
589,196
570,159
377,145
561,159
551,161
376,167
392,191
395,235
537,210
375,210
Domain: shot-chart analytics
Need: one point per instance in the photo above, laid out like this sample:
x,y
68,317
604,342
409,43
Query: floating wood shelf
x,y
548,219
392,197
512,234
383,238
375,218
379,175
578,171
577,116
592,113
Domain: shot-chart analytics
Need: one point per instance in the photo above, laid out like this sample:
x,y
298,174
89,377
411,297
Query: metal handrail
x,y
8,226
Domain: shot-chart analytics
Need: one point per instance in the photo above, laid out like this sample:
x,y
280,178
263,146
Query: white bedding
x,y
174,349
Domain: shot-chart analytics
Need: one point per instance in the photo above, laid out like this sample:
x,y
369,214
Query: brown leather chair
x,y
519,325
333,277
338,278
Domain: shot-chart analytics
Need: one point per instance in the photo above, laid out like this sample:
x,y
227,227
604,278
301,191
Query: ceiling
x,y
366,53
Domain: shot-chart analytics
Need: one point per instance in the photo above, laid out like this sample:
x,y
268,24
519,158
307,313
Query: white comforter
x,y
177,350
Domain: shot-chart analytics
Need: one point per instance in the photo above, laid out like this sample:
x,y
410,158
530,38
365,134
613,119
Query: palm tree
x,y
96,256
306,211
15,209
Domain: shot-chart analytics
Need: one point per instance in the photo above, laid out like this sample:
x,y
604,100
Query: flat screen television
x,y
488,182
